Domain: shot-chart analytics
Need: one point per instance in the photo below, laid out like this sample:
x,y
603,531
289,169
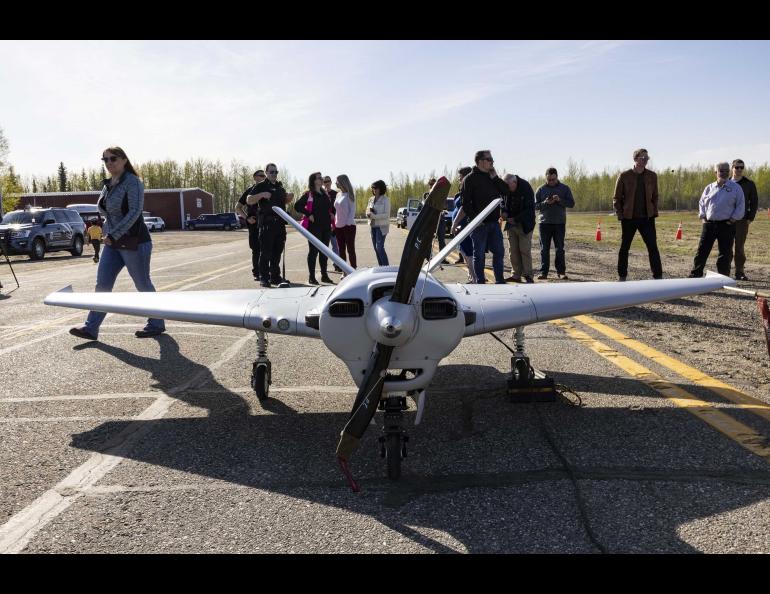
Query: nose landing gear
x,y
394,438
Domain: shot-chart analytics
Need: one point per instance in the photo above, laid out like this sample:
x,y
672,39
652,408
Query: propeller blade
x,y
418,245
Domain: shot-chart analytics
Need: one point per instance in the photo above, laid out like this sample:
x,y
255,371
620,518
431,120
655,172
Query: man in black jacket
x,y
742,227
249,212
479,188
272,229
518,210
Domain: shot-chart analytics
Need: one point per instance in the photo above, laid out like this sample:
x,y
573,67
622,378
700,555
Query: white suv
x,y
155,223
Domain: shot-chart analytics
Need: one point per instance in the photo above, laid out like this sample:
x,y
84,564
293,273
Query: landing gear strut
x,y
527,384
261,369
393,442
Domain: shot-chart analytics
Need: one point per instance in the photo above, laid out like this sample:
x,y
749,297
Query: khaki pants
x,y
520,251
741,232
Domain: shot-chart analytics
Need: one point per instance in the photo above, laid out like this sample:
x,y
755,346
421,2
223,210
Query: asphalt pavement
x,y
160,445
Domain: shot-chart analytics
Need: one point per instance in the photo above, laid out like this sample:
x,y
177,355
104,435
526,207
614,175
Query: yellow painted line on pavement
x,y
707,412
744,401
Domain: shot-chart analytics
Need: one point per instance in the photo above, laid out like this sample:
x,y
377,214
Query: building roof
x,y
97,192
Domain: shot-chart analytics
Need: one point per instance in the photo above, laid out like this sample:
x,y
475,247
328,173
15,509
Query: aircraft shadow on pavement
x,y
480,468
646,315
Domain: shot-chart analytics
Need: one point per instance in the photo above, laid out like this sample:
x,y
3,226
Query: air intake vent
x,y
439,308
347,308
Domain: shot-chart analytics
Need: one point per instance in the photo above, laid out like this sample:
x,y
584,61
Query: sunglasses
x,y
738,166
111,159
327,181
487,159
272,172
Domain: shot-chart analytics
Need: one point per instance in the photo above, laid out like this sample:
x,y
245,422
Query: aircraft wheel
x,y
260,381
393,454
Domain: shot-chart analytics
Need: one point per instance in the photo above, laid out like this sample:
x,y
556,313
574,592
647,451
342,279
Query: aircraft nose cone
x,y
391,327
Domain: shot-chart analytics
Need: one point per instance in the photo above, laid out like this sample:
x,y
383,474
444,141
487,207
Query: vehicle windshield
x,y
22,217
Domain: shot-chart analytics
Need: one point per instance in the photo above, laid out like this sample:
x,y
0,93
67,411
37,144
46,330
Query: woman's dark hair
x,y
551,171
311,179
464,170
116,150
380,186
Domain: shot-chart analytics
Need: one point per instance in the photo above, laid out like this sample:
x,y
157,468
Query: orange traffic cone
x,y
599,230
679,232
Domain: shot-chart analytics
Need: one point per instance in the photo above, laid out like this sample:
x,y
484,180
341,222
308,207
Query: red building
x,y
172,205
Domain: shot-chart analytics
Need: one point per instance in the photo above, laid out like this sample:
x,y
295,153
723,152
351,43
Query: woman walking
x,y
127,241
344,219
318,210
378,213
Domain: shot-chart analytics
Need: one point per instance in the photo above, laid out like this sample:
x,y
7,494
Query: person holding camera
x,y
127,241
378,213
552,200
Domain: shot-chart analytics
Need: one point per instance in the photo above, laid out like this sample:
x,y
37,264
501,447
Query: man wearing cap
x,y
721,205
272,228
250,212
742,226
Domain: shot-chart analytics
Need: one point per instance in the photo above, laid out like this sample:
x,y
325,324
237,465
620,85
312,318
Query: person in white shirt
x,y
378,213
344,219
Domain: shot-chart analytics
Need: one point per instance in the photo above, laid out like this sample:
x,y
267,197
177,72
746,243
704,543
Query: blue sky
x,y
371,108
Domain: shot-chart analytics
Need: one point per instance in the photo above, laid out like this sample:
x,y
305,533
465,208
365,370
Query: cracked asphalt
x,y
160,445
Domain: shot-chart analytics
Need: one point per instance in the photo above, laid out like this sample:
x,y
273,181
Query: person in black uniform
x,y
249,212
318,208
272,229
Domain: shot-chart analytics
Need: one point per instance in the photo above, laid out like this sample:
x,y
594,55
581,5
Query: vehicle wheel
x,y
393,455
192,227
228,227
77,247
260,381
38,250
162,228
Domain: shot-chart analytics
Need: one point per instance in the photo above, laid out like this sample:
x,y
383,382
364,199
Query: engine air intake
x,y
439,308
347,308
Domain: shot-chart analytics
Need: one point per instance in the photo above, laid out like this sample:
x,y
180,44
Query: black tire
x,y
77,246
162,228
260,381
393,455
38,250
192,227
228,227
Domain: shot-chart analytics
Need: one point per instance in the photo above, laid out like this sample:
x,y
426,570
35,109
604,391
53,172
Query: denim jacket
x,y
111,204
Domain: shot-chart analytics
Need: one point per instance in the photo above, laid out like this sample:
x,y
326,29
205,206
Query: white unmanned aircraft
x,y
387,318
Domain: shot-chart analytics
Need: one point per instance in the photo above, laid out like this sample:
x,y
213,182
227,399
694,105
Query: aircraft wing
x,y
499,307
247,308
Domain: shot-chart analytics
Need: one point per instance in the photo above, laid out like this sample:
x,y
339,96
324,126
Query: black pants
x,y
552,232
254,245
646,228
272,238
724,234
324,235
441,232
96,243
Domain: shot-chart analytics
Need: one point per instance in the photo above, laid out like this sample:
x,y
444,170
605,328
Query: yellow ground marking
x,y
705,411
727,391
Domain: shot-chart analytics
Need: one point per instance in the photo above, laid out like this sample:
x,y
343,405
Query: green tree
x,y
62,177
